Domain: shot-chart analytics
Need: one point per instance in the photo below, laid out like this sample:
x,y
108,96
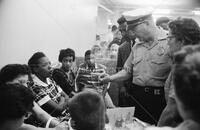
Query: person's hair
x,y
121,20
34,60
187,78
114,28
12,71
87,110
66,53
161,20
186,30
16,101
87,53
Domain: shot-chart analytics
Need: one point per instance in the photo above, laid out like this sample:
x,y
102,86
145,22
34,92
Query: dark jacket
x,y
61,78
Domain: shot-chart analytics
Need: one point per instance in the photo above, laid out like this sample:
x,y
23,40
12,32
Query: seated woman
x,y
187,90
64,76
87,111
18,74
48,94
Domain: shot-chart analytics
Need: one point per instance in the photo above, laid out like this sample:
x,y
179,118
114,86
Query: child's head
x,y
16,105
87,110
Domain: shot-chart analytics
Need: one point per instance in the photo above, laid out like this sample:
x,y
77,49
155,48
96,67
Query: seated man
x,y
85,78
87,111
16,105
64,76
18,74
48,95
187,90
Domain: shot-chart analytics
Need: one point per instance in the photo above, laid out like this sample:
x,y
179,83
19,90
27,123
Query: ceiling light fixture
x,y
196,12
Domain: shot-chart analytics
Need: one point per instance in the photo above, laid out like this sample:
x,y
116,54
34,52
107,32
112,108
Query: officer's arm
x,y
120,76
126,72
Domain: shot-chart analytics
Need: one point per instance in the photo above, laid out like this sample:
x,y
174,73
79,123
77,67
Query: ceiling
x,y
160,4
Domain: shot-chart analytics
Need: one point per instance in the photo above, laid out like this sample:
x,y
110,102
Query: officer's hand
x,y
105,78
123,92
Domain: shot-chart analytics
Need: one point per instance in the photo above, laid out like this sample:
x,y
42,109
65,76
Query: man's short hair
x,y
12,71
187,78
87,110
185,29
87,53
16,101
34,60
121,20
65,53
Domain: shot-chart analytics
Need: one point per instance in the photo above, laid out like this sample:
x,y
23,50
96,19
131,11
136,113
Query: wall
x,y
27,26
102,23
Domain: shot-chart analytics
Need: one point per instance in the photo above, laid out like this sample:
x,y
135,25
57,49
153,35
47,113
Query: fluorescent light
x,y
109,22
196,12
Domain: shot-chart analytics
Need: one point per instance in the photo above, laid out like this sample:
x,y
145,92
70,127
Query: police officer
x,y
149,64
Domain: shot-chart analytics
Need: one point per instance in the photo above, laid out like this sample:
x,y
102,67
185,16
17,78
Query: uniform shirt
x,y
149,66
45,91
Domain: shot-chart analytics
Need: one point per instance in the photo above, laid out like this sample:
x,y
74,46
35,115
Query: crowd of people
x,y
157,70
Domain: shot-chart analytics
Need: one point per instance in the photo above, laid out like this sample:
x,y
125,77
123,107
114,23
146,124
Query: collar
x,y
40,82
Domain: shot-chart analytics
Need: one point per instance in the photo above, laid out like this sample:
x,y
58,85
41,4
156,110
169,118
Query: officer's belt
x,y
152,90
